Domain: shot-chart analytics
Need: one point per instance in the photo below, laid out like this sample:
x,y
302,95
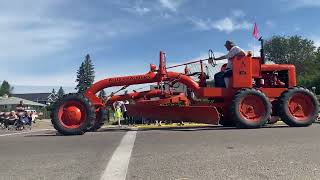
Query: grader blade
x,y
197,114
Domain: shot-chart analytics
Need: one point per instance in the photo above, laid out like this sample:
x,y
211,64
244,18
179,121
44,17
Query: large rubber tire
x,y
101,116
298,107
62,115
250,108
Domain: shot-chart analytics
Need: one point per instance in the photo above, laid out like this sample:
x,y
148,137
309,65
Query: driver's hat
x,y
230,43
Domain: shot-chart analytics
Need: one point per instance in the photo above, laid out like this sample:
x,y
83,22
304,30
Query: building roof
x,y
16,101
36,97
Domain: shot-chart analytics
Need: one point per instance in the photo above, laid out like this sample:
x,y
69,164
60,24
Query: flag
x,y
255,32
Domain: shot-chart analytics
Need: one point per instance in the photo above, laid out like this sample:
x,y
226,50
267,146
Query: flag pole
x,y
254,45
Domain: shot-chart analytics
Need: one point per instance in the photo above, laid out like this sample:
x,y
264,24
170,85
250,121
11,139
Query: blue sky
x,y
43,42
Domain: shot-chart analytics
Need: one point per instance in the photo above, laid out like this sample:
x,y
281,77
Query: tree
x,y
60,92
291,50
5,88
85,75
300,52
102,93
53,91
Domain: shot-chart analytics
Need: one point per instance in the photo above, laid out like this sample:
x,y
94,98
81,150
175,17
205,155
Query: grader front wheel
x,y
73,114
298,107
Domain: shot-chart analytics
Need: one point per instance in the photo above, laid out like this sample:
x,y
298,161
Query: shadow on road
x,y
189,128
181,128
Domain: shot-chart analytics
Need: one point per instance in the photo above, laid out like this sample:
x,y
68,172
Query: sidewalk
x,y
42,124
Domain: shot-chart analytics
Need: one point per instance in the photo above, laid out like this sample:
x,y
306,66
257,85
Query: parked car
x,y
33,111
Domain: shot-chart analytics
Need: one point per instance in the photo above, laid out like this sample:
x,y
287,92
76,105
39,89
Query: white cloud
x,y
201,24
302,3
316,40
297,28
22,42
138,10
270,23
255,48
42,45
226,24
171,4
166,15
238,13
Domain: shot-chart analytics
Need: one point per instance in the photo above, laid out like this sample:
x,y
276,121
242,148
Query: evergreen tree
x,y
5,88
85,75
53,91
102,94
60,92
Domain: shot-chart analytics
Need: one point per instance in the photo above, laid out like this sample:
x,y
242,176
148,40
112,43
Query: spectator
x,y
20,107
10,118
2,119
124,111
117,111
32,117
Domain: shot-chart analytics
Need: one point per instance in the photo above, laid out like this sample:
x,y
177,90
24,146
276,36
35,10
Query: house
x,y
42,98
10,103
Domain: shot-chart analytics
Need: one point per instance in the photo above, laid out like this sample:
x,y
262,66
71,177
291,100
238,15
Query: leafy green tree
x,y
60,92
300,52
102,93
291,50
5,88
85,75
312,77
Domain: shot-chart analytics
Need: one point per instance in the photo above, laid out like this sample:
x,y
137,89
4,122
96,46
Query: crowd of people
x,y
120,112
17,118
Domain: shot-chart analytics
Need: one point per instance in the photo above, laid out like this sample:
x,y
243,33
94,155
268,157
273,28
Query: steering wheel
x,y
211,58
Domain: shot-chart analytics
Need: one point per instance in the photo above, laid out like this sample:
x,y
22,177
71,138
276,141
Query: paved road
x,y
203,153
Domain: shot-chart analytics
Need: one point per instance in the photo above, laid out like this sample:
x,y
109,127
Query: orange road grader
x,y
257,91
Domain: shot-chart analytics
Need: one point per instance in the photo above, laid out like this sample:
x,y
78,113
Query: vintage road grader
x,y
257,91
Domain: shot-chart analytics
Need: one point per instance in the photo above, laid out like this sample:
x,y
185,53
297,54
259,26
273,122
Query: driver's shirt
x,y
234,51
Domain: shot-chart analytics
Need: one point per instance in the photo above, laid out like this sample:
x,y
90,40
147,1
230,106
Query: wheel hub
x,y
73,114
300,106
252,108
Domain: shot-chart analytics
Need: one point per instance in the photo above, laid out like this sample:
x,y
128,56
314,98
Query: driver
x,y
222,78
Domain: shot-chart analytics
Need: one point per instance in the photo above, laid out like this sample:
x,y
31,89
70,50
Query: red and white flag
x,y
255,32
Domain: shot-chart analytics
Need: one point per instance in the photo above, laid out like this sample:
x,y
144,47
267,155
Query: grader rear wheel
x,y
298,107
72,114
250,108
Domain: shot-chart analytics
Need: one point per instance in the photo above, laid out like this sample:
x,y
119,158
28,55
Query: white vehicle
x,y
33,111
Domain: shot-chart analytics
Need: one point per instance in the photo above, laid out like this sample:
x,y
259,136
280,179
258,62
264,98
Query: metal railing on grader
x,y
257,91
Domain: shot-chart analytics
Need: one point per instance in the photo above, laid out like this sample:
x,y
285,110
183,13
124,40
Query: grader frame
x,y
257,92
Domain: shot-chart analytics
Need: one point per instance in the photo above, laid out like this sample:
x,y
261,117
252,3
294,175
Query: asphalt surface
x,y
199,153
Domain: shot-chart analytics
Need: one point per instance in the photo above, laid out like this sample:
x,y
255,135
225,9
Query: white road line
x,y
118,164
11,134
